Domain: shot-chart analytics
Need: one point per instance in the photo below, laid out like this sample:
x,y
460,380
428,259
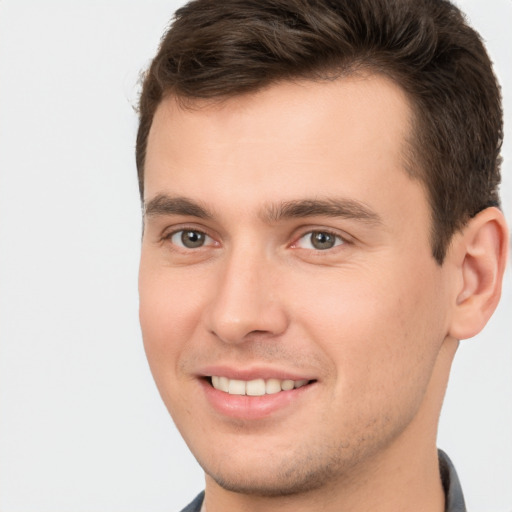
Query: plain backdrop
x,y
82,428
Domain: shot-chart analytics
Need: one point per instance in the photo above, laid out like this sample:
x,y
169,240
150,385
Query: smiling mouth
x,y
256,387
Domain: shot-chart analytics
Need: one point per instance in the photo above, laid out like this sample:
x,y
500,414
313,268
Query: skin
x,y
373,321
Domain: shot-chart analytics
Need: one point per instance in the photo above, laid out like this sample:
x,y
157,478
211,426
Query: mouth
x,y
255,393
255,387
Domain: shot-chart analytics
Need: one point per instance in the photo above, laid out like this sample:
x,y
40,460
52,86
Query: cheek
x,y
168,311
381,334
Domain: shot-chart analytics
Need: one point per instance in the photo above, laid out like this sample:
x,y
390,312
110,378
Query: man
x,y
321,226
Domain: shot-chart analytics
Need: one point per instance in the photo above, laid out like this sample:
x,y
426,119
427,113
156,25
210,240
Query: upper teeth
x,y
256,387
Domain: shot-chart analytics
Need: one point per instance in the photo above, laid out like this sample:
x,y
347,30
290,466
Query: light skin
x,y
284,240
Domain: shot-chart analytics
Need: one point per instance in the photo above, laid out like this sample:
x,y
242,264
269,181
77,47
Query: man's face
x,y
285,246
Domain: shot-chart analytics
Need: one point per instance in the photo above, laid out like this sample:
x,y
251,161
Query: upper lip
x,y
253,372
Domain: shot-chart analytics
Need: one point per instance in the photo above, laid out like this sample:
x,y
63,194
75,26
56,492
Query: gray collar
x,y
452,489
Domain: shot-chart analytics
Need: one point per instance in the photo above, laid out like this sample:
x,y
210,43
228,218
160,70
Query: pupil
x,y
321,240
192,239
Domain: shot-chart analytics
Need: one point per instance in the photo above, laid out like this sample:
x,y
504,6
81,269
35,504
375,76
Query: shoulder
x,y
195,506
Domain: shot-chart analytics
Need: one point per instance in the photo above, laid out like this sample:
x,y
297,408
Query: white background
x,y
81,425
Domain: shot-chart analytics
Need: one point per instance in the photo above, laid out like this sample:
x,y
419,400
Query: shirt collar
x,y
451,484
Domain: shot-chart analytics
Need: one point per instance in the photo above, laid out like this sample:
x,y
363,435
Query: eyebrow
x,y
166,205
163,204
330,207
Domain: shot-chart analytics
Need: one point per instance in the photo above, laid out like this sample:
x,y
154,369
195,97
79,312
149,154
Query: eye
x,y
190,239
319,240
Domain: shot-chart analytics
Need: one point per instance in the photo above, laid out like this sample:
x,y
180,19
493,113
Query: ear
x,y
479,255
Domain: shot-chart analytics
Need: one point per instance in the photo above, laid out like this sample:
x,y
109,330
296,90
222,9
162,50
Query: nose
x,y
246,302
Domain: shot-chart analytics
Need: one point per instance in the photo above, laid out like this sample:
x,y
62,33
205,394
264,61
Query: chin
x,y
298,474
270,486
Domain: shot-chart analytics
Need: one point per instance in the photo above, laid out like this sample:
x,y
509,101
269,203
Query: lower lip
x,y
252,407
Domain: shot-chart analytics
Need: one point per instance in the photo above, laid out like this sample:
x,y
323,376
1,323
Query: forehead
x,y
292,140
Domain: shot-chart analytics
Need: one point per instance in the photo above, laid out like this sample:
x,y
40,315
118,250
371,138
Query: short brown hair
x,y
219,49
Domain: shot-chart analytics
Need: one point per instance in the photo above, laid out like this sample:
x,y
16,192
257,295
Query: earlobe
x,y
481,254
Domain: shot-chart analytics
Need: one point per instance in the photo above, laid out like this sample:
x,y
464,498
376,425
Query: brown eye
x,y
190,239
319,240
